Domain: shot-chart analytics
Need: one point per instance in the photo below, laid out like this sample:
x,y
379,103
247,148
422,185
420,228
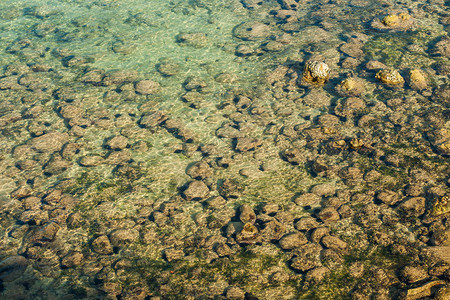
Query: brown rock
x,y
117,142
295,156
412,274
443,47
390,77
102,245
235,293
119,77
12,268
251,31
308,257
71,111
440,237
49,142
329,214
375,65
199,170
273,230
91,160
72,260
196,190
350,107
306,223
417,79
308,199
122,237
293,240
244,144
147,87
153,119
47,233
324,189
352,49
194,39
317,98
248,235
316,275
319,233
247,215
350,87
412,207
335,243
173,254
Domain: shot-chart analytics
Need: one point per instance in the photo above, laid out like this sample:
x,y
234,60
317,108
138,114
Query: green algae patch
x,y
391,48
386,48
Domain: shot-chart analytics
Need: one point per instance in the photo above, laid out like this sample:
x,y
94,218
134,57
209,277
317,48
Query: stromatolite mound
x,y
315,73
390,77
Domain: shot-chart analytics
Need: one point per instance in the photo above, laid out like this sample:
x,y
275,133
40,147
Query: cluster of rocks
x,y
329,178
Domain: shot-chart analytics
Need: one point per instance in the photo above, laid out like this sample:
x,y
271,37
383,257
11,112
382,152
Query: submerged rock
x,y
251,31
315,73
196,190
426,290
293,240
194,39
247,215
350,87
412,207
12,268
412,274
248,235
401,21
390,77
102,245
147,87
442,47
417,79
50,142
308,257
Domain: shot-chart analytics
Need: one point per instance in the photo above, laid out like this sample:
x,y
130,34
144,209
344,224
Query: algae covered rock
x,y
417,79
390,77
196,190
442,48
293,240
412,207
315,73
248,235
12,268
102,245
401,21
395,20
147,87
350,87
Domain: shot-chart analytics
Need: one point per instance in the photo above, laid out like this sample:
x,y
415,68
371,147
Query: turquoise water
x,y
224,149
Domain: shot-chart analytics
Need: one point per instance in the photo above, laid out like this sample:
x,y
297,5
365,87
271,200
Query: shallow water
x,y
190,150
